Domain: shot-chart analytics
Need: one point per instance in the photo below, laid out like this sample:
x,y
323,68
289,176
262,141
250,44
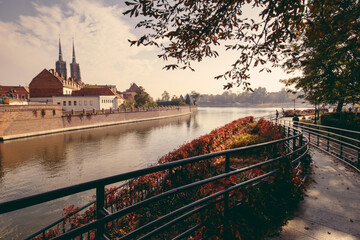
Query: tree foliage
x,y
321,38
165,96
329,54
195,96
143,99
187,99
188,30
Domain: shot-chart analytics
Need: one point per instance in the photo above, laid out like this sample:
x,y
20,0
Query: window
x,y
90,102
58,103
79,102
74,103
22,96
85,102
64,103
69,103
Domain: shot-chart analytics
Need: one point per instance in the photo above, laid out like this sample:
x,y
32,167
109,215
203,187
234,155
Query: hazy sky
x,y
29,33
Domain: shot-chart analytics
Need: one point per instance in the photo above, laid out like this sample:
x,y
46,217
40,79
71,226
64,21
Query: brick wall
x,y
23,121
45,84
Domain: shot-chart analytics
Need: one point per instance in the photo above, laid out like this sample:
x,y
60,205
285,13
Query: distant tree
x,y
195,96
128,104
187,99
176,101
142,98
182,98
258,96
165,96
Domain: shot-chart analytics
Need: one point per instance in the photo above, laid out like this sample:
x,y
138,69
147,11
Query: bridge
x,y
328,212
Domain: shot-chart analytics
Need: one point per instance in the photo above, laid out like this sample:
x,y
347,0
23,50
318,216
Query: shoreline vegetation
x,y
263,105
259,97
264,207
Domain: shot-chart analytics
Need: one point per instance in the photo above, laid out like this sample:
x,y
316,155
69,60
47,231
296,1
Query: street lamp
x,y
294,105
294,101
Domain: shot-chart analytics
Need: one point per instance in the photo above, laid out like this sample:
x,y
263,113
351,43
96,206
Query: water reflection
x,y
52,149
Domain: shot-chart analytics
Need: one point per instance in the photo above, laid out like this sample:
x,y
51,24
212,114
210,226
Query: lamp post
x,y
294,105
294,101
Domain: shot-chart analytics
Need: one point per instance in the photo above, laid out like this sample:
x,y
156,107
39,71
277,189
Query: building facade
x,y
48,84
15,92
88,103
129,94
89,98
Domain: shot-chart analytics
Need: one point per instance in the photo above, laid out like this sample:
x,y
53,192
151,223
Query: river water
x,y
38,164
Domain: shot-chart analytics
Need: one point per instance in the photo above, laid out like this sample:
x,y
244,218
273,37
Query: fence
x,y
124,110
342,143
293,149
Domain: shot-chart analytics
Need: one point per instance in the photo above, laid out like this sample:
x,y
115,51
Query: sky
x,y
30,31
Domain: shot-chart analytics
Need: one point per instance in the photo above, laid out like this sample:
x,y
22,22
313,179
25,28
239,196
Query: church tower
x,y
75,68
61,64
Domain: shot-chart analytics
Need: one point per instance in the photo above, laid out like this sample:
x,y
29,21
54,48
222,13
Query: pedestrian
x,y
277,115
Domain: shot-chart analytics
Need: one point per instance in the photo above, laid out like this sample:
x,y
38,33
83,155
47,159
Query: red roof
x,y
16,89
94,91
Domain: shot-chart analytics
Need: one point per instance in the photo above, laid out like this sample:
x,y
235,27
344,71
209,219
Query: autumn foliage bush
x,y
242,132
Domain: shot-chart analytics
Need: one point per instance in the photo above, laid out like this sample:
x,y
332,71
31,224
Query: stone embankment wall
x,y
26,121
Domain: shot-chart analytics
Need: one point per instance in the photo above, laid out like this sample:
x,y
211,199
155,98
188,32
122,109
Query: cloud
x,y
31,44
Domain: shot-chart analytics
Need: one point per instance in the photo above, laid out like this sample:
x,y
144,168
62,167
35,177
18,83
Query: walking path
x,y
331,208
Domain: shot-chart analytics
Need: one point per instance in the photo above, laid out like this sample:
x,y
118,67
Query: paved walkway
x,y
331,208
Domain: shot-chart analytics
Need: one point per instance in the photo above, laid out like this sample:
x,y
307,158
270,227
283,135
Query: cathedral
x,y
74,67
49,83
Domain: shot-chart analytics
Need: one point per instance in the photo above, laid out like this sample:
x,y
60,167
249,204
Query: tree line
x,y
189,99
258,96
143,99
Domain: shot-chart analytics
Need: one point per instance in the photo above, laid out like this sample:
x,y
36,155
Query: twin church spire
x,y
74,66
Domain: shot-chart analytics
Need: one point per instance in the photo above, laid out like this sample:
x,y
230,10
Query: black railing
x,y
342,143
292,148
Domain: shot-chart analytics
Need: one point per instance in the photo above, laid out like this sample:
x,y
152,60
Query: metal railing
x,y
293,148
341,143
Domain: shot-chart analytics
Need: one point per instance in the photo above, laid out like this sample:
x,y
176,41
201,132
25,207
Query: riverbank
x,y
27,121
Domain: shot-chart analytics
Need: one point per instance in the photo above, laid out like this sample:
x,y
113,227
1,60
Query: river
x,y
38,164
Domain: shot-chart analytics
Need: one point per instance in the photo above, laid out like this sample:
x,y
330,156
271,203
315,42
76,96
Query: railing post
x,y
288,131
318,136
358,152
226,200
294,139
328,144
100,213
341,150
